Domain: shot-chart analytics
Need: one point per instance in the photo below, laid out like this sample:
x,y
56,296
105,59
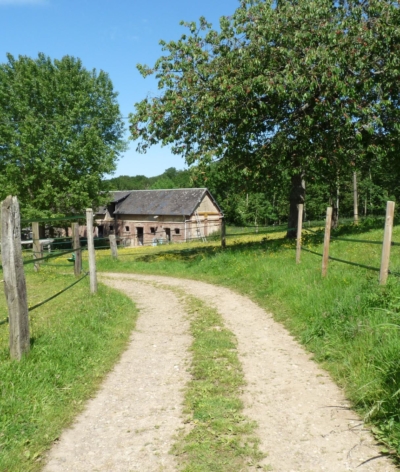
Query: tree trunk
x,y
297,196
335,215
355,192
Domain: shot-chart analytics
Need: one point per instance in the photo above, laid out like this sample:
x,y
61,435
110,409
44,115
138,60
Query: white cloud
x,y
23,2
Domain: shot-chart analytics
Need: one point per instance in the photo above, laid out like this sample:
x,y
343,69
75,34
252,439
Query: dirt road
x,y
304,421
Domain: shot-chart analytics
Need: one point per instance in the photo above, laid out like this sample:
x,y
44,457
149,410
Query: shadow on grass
x,y
310,237
191,254
364,226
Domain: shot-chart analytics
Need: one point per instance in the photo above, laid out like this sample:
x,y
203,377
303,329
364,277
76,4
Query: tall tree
x,y
60,133
304,88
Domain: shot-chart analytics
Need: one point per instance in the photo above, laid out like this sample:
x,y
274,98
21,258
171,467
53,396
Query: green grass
x,y
349,322
221,439
75,340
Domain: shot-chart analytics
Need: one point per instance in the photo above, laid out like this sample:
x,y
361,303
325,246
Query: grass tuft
x,y
221,438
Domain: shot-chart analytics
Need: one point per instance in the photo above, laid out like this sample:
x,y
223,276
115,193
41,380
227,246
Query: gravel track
x,y
130,424
304,421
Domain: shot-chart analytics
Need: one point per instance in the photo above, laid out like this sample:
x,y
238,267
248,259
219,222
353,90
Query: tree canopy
x,y
170,178
289,88
60,133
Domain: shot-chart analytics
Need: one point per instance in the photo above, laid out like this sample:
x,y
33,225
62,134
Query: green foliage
x,y
305,88
126,182
60,133
163,183
241,202
170,178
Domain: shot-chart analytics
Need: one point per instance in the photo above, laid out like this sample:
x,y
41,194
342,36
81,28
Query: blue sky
x,y
112,35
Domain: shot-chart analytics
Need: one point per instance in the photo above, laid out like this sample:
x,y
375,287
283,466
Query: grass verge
x,y
221,438
75,341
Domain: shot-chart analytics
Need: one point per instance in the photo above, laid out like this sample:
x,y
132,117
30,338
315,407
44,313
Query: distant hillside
x,y
171,178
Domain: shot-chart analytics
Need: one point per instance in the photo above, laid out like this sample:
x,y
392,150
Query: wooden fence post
x,y
223,233
37,247
76,244
14,278
327,239
92,254
299,230
387,241
113,246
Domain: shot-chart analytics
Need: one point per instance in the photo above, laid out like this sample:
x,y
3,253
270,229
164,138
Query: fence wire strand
x,y
57,294
376,269
49,220
51,256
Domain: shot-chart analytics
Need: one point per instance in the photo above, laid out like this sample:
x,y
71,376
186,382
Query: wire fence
x,y
386,243
53,220
63,245
58,293
57,247
356,264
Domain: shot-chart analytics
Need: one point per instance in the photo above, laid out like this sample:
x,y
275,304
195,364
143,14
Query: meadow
x,y
347,320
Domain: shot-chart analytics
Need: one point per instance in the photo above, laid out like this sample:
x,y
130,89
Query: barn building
x,y
150,217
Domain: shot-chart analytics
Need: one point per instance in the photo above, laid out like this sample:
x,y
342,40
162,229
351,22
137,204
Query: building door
x,y
168,234
139,235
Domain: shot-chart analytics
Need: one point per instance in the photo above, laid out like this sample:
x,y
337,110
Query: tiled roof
x,y
162,202
119,195
115,197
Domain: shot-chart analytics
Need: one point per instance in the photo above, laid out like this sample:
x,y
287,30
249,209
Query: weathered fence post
x,y
327,239
76,244
299,230
37,247
223,233
387,241
92,255
14,278
113,246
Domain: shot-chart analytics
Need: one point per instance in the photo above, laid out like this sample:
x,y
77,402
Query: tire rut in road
x,y
130,424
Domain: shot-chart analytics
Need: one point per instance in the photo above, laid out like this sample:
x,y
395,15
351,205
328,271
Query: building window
x,y
111,228
177,231
126,228
152,230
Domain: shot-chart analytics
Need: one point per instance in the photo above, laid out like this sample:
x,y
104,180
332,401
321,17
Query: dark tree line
x,y
243,205
170,178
